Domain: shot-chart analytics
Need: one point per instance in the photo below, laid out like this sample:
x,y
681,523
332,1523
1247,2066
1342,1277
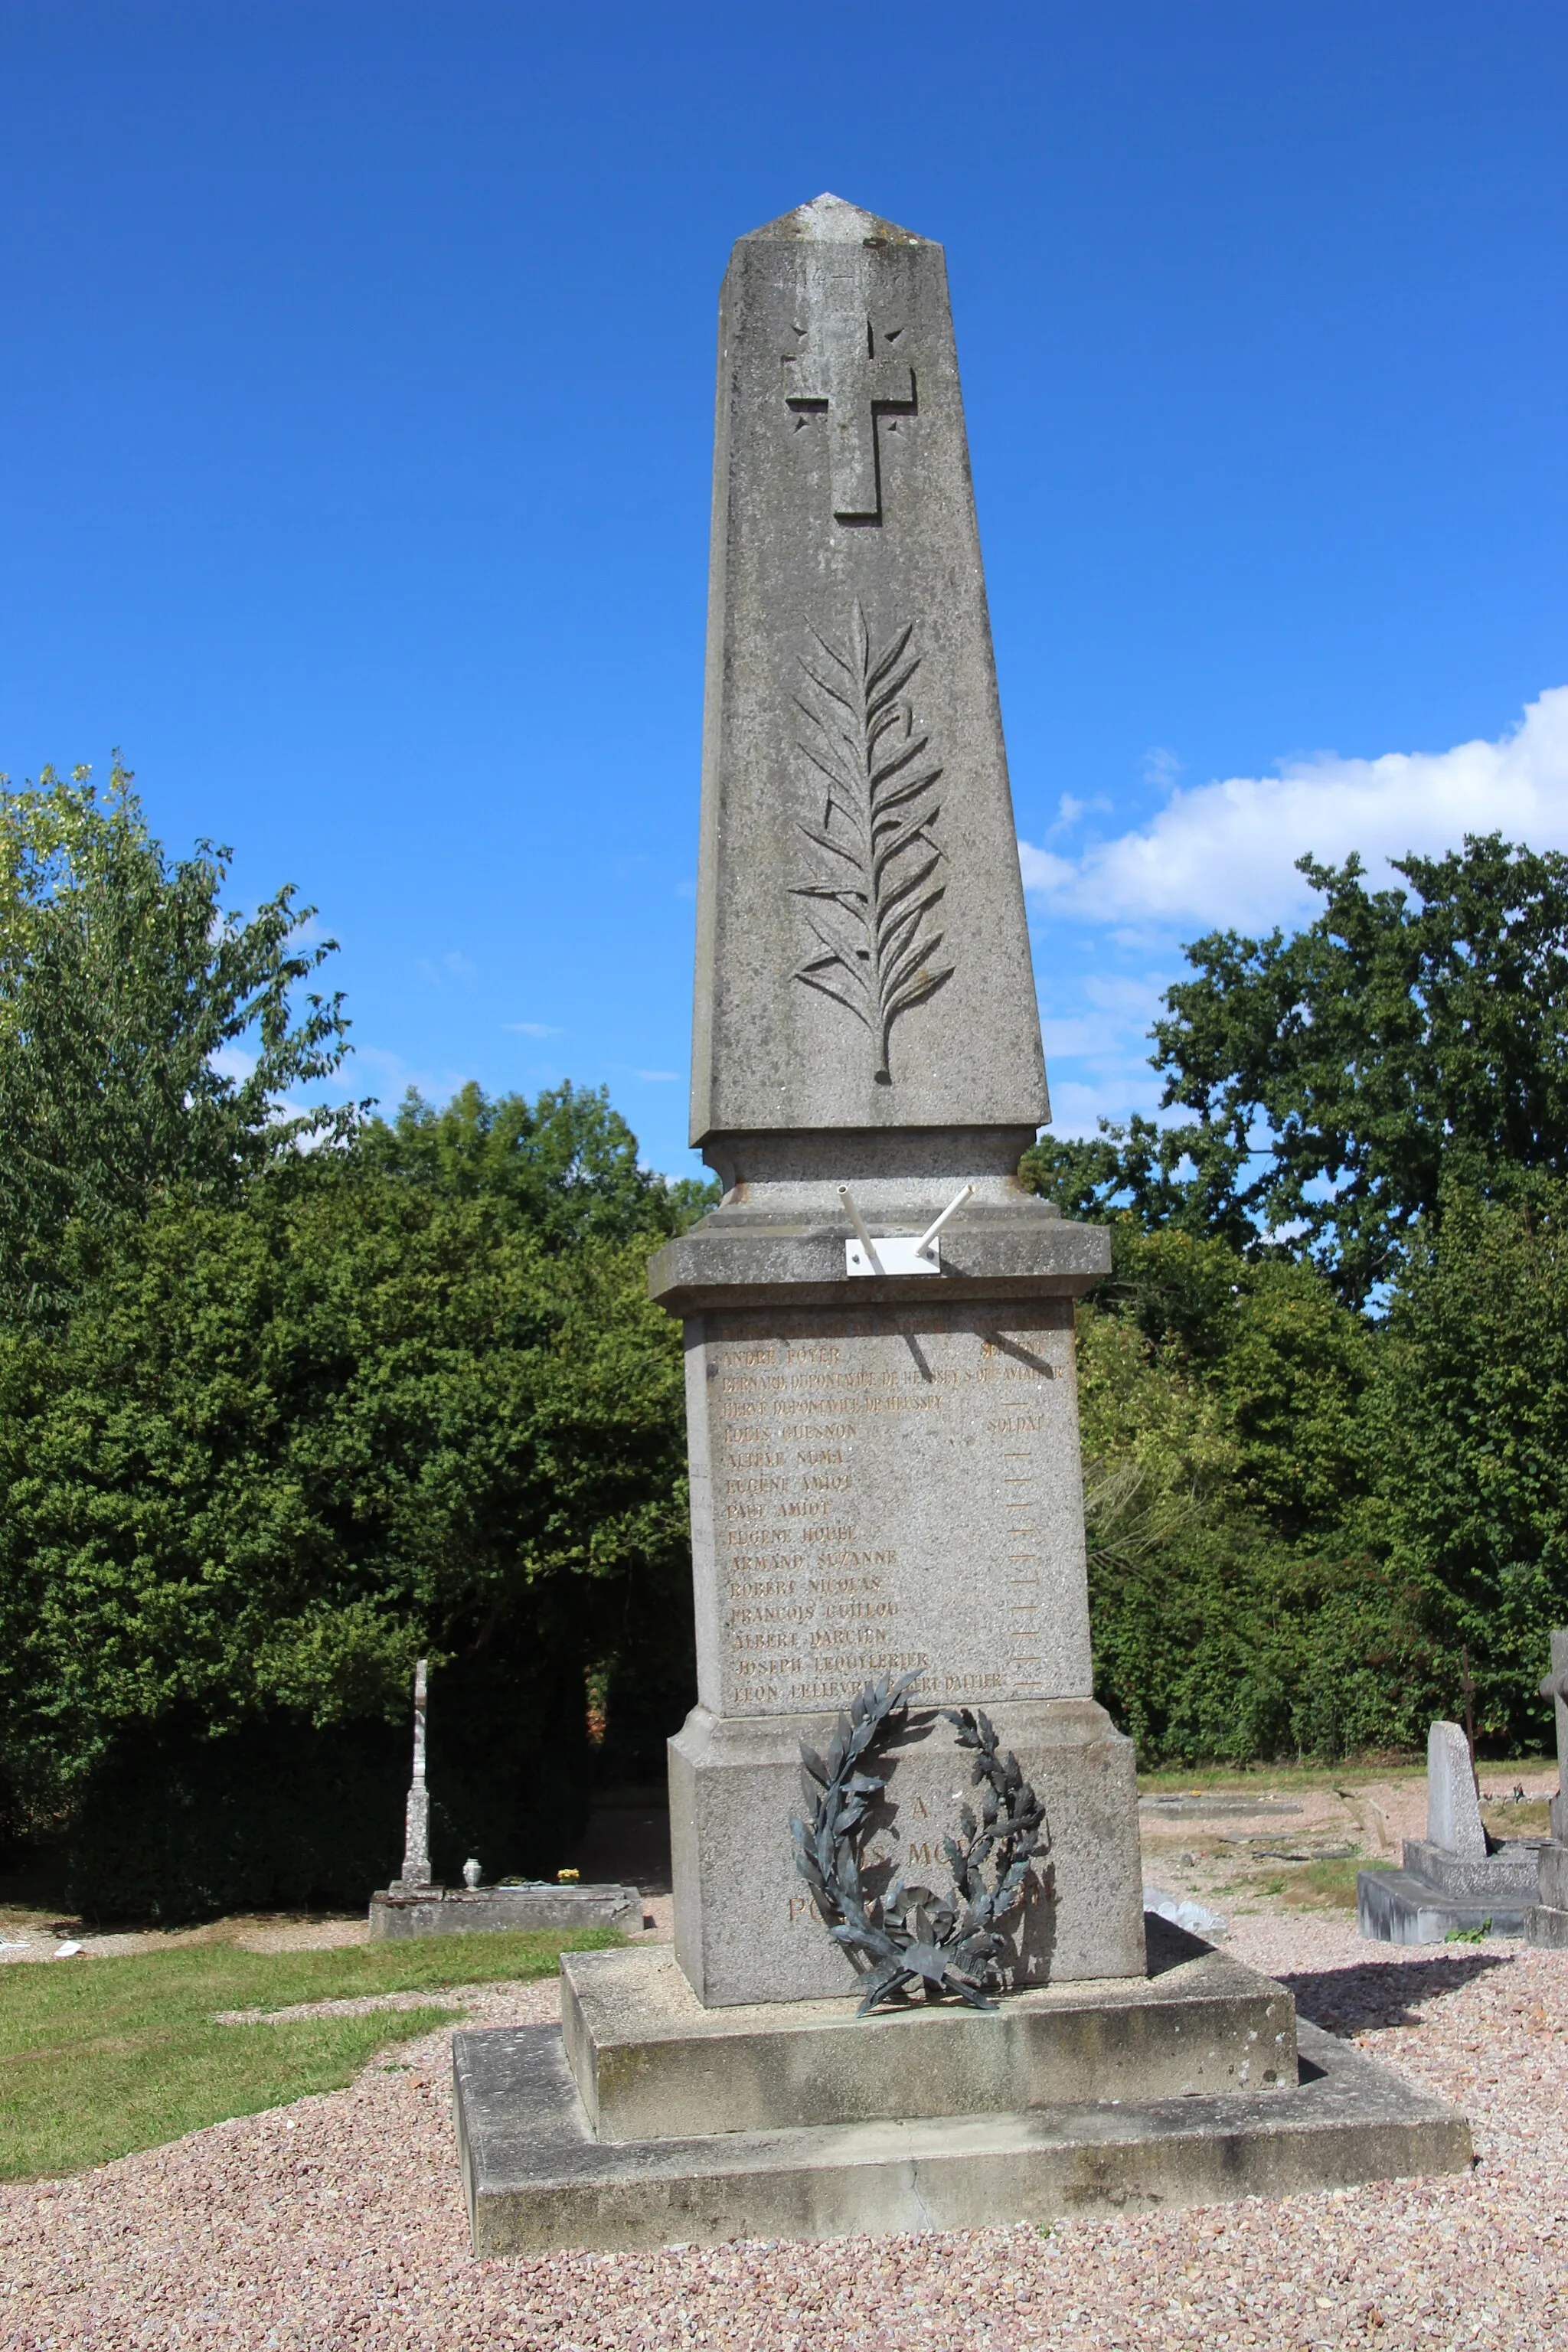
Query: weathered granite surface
x,y
863,958
885,1486
650,2063
1510,1872
1453,1808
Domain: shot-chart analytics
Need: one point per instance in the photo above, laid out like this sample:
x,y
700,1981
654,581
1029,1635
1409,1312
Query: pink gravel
x,y
338,2222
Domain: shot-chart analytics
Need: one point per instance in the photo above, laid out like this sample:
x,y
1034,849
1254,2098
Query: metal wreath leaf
x,y
909,1936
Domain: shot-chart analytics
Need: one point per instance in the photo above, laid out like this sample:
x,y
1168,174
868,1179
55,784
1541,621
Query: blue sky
x,y
355,448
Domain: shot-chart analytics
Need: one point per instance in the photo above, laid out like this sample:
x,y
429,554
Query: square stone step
x,y
650,2063
1509,1874
537,2178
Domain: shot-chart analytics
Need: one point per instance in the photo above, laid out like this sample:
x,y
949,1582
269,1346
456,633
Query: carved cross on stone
x,y
843,376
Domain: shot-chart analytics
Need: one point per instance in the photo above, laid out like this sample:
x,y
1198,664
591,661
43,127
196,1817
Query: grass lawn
x,y
102,2056
1328,1885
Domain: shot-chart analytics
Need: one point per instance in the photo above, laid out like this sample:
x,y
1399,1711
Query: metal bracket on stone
x,y
896,1253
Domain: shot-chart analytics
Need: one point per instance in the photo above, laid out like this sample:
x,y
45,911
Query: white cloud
x,y
453,965
660,1077
1076,1110
1225,853
531,1029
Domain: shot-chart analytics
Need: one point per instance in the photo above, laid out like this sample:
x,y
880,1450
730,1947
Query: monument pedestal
x,y
884,1477
745,1926
650,2120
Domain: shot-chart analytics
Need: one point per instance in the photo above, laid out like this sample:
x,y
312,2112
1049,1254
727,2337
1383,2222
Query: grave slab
x,y
1395,1906
496,1910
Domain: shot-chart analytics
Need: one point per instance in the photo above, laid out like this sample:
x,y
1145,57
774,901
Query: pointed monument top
x,y
863,956
828,220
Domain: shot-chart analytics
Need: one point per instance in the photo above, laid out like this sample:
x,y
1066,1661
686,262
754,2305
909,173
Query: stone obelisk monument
x,y
884,1465
883,1434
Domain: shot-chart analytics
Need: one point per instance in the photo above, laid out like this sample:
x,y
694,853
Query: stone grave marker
x,y
1452,1800
886,1510
416,1903
1456,1879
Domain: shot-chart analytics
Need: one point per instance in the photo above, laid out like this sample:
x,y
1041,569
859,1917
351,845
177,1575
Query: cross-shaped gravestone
x,y
843,375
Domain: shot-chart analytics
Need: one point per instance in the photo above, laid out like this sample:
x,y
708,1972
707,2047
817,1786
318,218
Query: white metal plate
x,y
896,1253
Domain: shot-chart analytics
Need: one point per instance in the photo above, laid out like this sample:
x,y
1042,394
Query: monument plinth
x,y
881,1407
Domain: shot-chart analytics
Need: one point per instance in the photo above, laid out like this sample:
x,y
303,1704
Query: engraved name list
x,y
899,1497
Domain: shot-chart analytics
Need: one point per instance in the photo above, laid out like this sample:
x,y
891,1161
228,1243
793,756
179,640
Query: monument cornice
x,y
740,1258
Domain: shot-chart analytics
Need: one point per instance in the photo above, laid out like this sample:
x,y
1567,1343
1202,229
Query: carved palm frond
x,y
868,905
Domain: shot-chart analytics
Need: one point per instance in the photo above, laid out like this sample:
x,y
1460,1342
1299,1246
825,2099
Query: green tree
x,y
1337,1079
1234,1612
122,986
1469,1421
563,1166
284,1446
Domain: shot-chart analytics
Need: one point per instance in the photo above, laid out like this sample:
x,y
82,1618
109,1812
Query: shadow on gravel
x,y
1384,1992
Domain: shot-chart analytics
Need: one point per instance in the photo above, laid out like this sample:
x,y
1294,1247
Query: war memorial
x,y
912,1985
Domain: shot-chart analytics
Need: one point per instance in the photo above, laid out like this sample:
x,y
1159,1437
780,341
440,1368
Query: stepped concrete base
x,y
1395,1906
537,2178
796,2120
481,1910
651,2062
1547,1927
1510,1872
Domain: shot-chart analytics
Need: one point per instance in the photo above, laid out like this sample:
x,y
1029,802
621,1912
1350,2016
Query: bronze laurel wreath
x,y
909,1936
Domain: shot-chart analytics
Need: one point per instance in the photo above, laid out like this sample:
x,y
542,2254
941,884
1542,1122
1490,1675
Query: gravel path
x,y
338,2222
